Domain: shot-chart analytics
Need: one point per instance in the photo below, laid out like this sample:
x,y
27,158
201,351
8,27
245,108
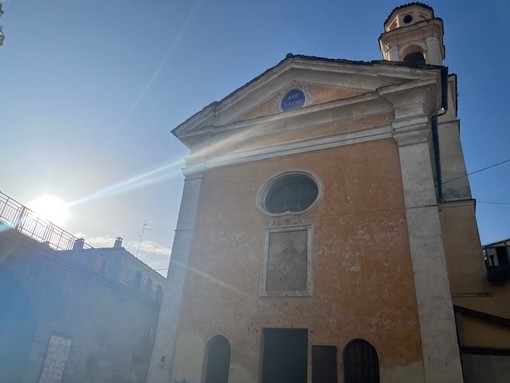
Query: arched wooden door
x,y
217,360
361,364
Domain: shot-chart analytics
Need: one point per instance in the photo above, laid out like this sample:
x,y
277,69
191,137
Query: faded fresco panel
x,y
56,359
287,261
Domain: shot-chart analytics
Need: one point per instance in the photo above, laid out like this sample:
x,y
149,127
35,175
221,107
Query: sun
x,y
51,208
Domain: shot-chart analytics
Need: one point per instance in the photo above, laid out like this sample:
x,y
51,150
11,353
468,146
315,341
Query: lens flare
x,y
51,208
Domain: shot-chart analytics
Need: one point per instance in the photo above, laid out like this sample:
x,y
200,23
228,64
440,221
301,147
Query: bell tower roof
x,y
414,35
408,14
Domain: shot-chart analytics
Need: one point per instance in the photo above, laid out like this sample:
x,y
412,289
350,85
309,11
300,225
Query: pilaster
x,y
162,353
434,51
437,323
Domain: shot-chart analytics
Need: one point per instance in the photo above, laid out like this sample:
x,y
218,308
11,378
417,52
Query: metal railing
x,y
24,220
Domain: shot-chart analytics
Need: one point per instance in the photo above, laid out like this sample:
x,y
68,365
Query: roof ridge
x,y
409,5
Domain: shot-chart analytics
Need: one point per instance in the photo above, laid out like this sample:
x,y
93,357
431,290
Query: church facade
x,y
327,225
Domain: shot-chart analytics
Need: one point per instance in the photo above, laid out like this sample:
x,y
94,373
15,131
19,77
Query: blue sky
x,y
89,91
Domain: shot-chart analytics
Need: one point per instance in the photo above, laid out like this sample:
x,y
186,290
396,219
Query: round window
x,y
408,19
289,193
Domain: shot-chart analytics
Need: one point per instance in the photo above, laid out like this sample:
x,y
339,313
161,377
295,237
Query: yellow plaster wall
x,y
362,276
500,299
480,333
466,267
494,302
463,252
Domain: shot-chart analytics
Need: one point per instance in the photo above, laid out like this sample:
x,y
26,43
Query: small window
x,y
137,281
104,265
408,19
159,294
502,255
293,192
148,287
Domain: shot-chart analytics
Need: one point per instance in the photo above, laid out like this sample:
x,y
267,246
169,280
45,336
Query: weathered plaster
x,y
374,241
412,373
466,269
166,332
363,282
188,358
437,324
455,184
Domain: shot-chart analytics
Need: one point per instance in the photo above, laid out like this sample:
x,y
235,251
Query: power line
x,y
477,171
493,203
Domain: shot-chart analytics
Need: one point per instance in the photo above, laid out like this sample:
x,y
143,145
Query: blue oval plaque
x,y
294,99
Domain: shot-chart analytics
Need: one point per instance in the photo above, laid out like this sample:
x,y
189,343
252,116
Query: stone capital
x,y
410,131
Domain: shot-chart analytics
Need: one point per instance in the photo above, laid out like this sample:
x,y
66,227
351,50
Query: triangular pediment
x,y
305,94
311,81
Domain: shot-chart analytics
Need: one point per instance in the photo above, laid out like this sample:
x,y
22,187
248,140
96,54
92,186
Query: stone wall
x,y
73,324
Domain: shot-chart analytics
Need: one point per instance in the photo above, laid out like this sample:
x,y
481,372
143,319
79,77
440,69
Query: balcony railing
x,y
498,274
140,284
24,220
497,262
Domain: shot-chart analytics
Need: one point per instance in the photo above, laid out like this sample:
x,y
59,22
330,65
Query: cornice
x,y
198,163
420,27
289,116
214,146
395,95
266,85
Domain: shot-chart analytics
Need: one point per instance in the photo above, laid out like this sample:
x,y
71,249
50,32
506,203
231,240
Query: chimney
x,y
78,244
118,242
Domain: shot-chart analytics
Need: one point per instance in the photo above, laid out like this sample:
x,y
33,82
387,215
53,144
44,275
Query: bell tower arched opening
x,y
413,25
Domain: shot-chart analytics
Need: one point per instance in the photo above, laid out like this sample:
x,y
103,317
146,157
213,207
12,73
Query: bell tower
x,y
413,34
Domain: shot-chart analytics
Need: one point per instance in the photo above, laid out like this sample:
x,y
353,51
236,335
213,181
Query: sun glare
x,y
51,208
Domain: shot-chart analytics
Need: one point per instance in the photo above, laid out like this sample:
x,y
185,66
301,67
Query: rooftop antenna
x,y
144,227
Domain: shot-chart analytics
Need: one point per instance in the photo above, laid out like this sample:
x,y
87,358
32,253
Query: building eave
x,y
205,119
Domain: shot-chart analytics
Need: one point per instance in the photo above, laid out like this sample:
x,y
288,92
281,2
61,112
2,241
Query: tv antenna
x,y
144,227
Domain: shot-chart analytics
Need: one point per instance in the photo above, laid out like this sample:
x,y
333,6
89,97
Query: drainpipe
x,y
435,133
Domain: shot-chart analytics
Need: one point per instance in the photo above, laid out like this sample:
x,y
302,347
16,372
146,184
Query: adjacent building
x,y
69,312
327,230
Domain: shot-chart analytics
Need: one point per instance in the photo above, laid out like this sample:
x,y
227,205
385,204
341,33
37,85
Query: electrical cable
x,y
493,203
477,171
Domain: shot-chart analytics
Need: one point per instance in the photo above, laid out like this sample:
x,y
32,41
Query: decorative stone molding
x,y
411,131
305,88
